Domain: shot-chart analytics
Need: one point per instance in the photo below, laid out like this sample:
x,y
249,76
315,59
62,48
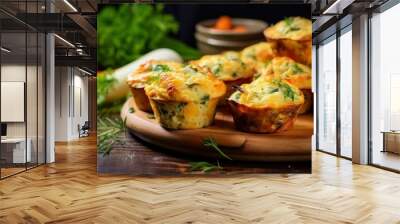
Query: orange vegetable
x,y
239,28
224,23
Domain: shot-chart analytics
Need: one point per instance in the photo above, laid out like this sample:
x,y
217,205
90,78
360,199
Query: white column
x,y
360,90
50,100
50,92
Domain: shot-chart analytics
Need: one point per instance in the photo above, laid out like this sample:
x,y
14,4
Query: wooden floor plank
x,y
70,191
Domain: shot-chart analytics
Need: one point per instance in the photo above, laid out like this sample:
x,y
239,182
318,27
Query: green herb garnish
x,y
131,110
216,69
191,85
209,142
237,96
161,68
204,99
153,78
274,90
204,167
180,106
288,91
289,21
108,132
289,25
296,68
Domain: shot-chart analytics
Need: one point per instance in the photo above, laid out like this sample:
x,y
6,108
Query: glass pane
x,y
13,85
385,83
346,94
41,99
31,99
327,96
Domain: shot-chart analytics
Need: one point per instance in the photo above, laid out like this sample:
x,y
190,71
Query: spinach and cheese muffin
x,y
293,36
227,67
259,56
185,99
266,105
295,73
147,73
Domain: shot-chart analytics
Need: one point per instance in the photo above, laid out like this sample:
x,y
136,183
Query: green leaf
x,y
186,52
127,31
104,83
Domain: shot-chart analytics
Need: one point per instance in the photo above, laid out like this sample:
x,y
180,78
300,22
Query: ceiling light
x,y
5,50
337,7
65,41
70,5
332,9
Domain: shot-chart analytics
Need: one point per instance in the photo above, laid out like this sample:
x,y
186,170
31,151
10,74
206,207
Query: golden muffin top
x,y
293,28
266,92
188,84
146,72
227,66
261,52
291,71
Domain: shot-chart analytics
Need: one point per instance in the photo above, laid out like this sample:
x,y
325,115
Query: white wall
x,y
12,73
71,94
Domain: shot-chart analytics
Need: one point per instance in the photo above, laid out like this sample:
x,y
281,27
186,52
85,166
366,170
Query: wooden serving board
x,y
292,145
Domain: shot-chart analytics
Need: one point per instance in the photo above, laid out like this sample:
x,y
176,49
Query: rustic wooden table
x,y
138,158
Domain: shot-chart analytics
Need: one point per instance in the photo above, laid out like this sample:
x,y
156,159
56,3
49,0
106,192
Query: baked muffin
x,y
227,67
266,105
259,56
293,37
295,73
185,99
147,73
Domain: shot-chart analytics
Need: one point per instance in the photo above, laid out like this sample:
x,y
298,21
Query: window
x,y
327,96
385,89
22,78
346,92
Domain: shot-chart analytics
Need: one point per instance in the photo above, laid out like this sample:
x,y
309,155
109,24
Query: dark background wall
x,y
190,14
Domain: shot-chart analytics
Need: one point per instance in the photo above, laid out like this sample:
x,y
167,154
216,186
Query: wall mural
x,y
181,91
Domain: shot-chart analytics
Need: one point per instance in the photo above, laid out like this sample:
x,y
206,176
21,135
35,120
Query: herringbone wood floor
x,y
70,191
